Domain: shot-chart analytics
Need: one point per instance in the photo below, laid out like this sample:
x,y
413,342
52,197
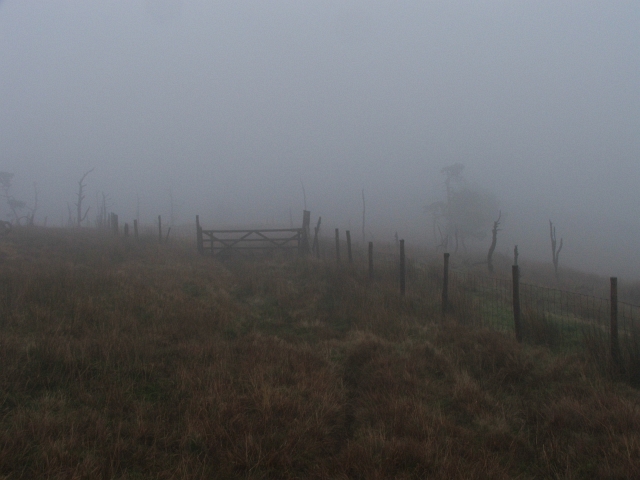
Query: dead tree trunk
x,y
494,241
80,216
32,211
555,253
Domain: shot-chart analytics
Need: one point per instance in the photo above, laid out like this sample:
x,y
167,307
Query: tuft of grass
x,y
541,329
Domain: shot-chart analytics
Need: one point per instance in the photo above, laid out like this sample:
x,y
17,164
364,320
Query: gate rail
x,y
224,241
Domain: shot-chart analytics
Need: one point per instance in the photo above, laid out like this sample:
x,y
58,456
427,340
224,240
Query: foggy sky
x,y
232,105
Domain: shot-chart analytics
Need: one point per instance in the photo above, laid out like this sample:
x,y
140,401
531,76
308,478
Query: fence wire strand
x,y
548,316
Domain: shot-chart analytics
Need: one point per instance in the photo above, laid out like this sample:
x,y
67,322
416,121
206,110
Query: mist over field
x,y
230,107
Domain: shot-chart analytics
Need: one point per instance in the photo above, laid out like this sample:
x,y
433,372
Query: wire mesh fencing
x,y
544,315
548,316
561,318
481,301
629,338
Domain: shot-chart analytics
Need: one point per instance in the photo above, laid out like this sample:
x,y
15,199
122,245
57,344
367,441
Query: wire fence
x,y
535,314
548,316
482,301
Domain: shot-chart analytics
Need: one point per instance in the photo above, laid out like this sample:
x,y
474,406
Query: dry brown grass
x,y
124,360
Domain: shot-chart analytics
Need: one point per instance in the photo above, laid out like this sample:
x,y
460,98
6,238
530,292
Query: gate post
x,y
304,246
199,235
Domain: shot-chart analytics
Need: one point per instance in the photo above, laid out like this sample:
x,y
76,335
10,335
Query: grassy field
x,y
126,360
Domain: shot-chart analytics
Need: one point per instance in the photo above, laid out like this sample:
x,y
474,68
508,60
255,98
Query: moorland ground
x,y
135,360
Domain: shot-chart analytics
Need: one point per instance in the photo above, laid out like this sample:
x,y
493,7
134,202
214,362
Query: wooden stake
x,y
515,274
316,245
199,242
402,269
615,345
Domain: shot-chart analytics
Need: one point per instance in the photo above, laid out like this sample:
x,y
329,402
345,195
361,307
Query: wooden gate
x,y
217,242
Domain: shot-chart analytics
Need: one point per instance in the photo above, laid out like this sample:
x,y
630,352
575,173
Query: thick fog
x,y
230,107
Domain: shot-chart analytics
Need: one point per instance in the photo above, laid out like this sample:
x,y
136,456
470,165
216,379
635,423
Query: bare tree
x,y
32,211
465,213
14,204
79,215
555,253
494,241
437,211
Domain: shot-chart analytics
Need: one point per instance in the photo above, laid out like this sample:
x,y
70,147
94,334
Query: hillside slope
x,y
135,360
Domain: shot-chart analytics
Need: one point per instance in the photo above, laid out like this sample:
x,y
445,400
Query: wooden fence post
x,y
199,235
135,228
305,247
615,345
402,269
445,285
316,241
515,274
349,247
337,245
159,229
370,260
